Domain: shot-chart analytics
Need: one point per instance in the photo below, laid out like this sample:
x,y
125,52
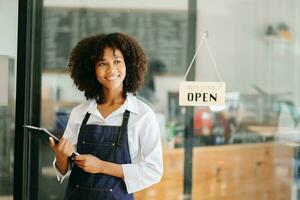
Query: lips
x,y
112,77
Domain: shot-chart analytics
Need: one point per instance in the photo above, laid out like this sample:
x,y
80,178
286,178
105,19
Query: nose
x,y
111,67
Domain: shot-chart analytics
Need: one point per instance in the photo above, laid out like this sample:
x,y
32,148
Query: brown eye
x,y
117,62
101,64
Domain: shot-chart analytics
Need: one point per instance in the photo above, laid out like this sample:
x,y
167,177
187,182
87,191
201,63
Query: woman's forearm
x,y
112,169
62,165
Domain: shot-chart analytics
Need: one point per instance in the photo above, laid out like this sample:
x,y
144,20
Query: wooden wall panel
x,y
246,171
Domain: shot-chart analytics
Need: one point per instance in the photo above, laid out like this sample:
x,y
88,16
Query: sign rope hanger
x,y
204,39
193,93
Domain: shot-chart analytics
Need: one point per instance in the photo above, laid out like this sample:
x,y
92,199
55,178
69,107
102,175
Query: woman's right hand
x,y
63,149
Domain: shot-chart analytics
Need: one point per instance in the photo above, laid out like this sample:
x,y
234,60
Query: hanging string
x,y
213,60
195,55
203,39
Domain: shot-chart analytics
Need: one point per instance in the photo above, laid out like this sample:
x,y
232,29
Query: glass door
x,y
162,30
247,150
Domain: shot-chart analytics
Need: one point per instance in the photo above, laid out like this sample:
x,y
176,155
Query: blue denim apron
x,y
108,143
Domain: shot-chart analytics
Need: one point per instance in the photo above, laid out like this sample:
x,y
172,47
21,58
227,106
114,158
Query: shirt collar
x,y
130,104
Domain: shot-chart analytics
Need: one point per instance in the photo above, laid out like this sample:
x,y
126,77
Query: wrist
x,y
101,166
62,166
60,158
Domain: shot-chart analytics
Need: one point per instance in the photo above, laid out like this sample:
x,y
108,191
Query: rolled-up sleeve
x,y
148,170
60,177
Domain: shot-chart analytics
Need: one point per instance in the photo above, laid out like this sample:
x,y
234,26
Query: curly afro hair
x,y
90,50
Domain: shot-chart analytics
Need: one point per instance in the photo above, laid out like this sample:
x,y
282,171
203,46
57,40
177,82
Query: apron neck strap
x,y
123,128
86,118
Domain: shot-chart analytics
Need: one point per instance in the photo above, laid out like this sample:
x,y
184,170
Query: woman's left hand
x,y
88,163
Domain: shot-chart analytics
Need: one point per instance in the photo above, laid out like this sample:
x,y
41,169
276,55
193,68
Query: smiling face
x,y
111,70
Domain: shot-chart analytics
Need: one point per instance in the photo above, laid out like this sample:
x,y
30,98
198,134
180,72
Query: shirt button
x,y
83,142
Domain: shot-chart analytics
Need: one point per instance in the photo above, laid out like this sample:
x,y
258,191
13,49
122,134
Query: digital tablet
x,y
56,140
48,134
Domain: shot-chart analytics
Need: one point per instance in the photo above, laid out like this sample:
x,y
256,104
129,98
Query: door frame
x,y
28,93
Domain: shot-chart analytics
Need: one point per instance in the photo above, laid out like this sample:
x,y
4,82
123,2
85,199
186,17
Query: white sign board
x,y
4,64
193,93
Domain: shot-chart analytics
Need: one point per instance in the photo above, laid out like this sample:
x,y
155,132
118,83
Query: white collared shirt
x,y
143,139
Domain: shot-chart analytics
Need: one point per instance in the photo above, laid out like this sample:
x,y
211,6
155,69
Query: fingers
x,y
82,161
80,165
70,150
51,142
88,163
64,148
61,144
80,157
79,160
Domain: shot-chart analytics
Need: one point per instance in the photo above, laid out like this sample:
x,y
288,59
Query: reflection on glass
x,y
245,151
7,127
253,142
162,32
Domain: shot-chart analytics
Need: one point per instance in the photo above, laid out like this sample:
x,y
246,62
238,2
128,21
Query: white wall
x,y
243,56
8,38
9,27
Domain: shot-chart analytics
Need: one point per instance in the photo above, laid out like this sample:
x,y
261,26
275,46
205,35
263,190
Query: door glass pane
x,y
161,29
7,126
8,61
249,149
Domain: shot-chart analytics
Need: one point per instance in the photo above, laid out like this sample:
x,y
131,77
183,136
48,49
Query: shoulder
x,y
79,111
145,122
82,107
144,107
146,115
139,106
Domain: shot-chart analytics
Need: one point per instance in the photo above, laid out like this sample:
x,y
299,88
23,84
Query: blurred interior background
x,y
247,150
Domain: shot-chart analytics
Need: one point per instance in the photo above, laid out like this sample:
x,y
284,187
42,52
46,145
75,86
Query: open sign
x,y
201,93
